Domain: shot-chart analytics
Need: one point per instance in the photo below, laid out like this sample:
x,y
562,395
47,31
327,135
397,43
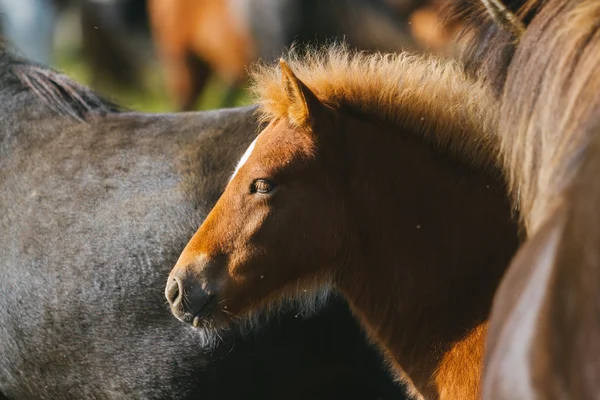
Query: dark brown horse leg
x,y
186,78
199,74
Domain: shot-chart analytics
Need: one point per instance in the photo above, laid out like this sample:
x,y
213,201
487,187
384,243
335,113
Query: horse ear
x,y
305,107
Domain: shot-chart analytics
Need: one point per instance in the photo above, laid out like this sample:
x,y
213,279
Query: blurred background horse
x,y
195,39
204,47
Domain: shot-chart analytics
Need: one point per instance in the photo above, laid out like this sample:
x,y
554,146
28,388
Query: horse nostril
x,y
173,291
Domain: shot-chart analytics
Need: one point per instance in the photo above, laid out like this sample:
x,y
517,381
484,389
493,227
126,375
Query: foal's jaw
x,y
212,304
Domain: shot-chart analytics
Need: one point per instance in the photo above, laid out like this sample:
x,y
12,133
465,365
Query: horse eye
x,y
262,186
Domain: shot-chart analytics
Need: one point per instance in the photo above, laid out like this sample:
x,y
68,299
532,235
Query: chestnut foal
x,y
375,178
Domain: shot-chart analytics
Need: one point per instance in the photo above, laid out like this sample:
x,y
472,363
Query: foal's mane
x,y
426,95
66,97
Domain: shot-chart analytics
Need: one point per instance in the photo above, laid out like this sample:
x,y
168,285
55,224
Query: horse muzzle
x,y
190,299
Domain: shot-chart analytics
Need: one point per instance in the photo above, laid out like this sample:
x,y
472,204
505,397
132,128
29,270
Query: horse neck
x,y
431,240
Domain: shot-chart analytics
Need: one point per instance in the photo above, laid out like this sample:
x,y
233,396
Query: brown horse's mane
x,y
546,136
558,84
422,94
548,143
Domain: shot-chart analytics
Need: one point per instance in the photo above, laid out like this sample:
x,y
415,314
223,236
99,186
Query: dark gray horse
x,y
95,206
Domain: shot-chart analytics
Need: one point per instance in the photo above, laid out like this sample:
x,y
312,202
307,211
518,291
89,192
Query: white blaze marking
x,y
243,159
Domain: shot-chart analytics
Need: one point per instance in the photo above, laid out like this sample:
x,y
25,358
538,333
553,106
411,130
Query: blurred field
x,y
151,99
69,59
68,55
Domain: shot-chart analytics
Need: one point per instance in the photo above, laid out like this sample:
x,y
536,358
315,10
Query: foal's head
x,y
278,227
373,178
347,169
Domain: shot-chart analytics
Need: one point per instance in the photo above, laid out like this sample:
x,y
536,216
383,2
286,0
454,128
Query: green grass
x,y
152,98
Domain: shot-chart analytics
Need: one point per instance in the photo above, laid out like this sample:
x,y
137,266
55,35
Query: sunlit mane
x,y
423,94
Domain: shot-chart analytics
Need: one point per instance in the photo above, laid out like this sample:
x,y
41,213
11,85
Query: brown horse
x,y
544,337
196,39
375,178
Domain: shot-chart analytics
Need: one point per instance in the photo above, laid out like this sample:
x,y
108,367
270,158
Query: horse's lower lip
x,y
198,316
